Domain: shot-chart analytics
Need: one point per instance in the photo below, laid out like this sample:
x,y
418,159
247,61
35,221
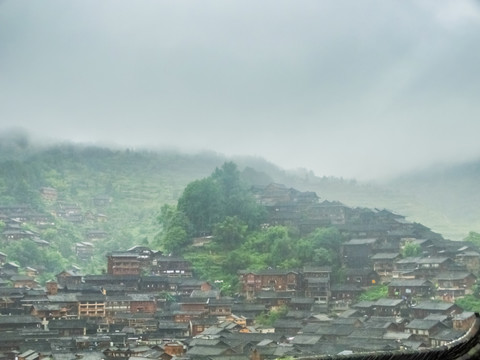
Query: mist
x,y
357,90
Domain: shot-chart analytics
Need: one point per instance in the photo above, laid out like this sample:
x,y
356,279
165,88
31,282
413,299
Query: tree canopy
x,y
209,201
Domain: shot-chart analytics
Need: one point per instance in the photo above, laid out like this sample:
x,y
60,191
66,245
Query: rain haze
x,y
344,88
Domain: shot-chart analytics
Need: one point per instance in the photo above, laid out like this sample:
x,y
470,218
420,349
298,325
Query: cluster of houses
x,y
14,217
151,306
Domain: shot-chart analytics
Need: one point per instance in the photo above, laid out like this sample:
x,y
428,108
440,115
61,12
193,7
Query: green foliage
x,y
46,259
326,243
469,303
411,249
230,233
272,247
176,234
269,318
203,204
474,238
137,182
175,239
211,200
374,293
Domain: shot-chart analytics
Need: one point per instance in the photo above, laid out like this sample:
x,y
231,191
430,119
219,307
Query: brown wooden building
x,y
276,280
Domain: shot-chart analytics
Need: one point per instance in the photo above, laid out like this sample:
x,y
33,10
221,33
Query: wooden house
x,y
71,327
96,234
69,277
91,305
220,307
345,292
16,322
409,288
451,280
117,304
123,263
23,281
357,252
388,307
301,303
84,250
273,298
431,266
48,193
67,300
424,329
171,266
463,320
271,279
317,288
142,303
365,307
186,285
193,307
170,329
469,258
361,277
384,263
48,311
287,327
445,337
425,308
107,281
405,266
156,283
174,348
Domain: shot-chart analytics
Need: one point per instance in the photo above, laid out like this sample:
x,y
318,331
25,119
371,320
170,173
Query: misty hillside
x,y
449,196
444,199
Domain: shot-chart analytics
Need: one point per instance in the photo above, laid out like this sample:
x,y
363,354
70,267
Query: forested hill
x,y
137,183
443,198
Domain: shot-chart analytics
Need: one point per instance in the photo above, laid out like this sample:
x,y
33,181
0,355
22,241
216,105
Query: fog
x,y
352,89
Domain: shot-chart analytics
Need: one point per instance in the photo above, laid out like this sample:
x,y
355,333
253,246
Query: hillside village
x,y
148,305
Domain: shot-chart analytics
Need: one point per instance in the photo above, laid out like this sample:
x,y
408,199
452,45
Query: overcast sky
x,y
346,88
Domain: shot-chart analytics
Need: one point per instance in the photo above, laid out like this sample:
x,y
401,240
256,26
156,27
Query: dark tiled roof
x,y
434,305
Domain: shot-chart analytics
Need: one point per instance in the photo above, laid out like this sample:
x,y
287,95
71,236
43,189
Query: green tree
x,y
469,303
171,217
236,260
326,244
237,199
474,238
304,250
267,319
175,239
230,233
411,249
322,256
176,233
374,293
281,250
202,202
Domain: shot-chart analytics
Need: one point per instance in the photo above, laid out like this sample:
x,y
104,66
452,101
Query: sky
x,y
355,89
